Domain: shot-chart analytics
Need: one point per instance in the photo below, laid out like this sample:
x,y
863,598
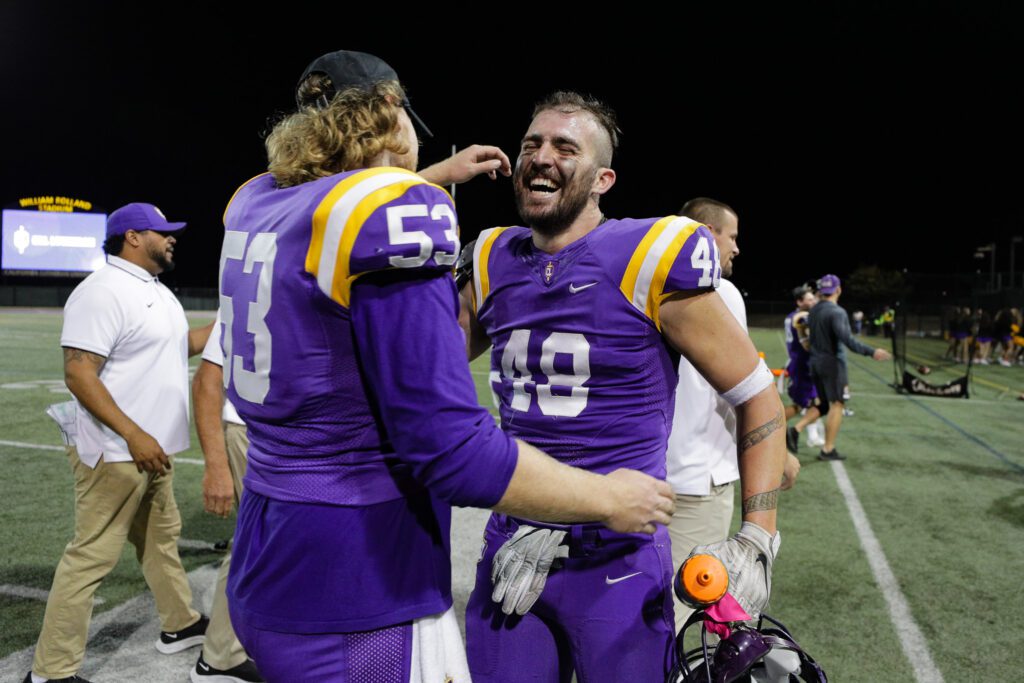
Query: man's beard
x,y
554,220
162,259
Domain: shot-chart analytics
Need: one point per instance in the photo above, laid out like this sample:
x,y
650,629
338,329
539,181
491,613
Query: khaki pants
x,y
113,503
221,648
698,520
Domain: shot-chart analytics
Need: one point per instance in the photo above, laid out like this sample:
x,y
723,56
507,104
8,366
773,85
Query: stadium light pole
x,y
991,249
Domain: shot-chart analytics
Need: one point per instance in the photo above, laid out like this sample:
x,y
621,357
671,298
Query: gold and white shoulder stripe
x,y
339,218
481,259
644,280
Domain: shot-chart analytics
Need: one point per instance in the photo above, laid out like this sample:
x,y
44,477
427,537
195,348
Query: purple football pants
x,y
801,388
380,656
606,613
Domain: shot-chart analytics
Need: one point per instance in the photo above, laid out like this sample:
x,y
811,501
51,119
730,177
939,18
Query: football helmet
x,y
766,654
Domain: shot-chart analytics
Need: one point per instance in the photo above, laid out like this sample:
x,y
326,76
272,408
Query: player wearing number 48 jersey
x,y
579,309
341,354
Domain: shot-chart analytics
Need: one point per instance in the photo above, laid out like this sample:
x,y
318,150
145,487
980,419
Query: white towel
x,y
438,655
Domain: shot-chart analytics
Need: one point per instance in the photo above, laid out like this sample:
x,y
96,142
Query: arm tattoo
x,y
72,355
751,439
761,501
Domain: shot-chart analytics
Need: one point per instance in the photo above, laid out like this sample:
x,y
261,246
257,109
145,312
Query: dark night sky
x,y
843,133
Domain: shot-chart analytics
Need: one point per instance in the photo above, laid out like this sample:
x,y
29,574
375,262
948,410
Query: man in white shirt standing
x,y
126,345
702,457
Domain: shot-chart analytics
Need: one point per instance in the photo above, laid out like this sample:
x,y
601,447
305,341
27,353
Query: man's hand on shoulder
x,y
468,164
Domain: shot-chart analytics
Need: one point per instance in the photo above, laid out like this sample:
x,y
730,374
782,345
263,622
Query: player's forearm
x,y
208,402
197,338
90,391
761,446
544,489
438,174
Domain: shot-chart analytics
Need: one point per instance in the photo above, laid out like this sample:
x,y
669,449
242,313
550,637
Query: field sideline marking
x,y
37,446
33,593
911,639
129,610
950,423
47,447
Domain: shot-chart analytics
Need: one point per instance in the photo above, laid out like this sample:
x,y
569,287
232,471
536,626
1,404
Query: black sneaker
x,y
246,672
832,455
176,641
792,439
70,679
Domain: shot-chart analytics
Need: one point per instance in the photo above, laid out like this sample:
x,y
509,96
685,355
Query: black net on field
x,y
910,371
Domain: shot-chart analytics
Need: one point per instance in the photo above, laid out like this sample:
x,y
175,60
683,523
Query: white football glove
x,y
521,565
748,557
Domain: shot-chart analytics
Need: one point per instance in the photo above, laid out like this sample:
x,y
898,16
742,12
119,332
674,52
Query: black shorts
x,y
829,375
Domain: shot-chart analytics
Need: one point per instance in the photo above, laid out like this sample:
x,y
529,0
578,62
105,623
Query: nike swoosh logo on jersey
x,y
621,578
573,289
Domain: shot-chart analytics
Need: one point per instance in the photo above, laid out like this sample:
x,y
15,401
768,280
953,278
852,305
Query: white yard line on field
x,y
911,638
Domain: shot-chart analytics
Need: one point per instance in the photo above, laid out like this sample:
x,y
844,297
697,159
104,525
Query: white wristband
x,y
757,381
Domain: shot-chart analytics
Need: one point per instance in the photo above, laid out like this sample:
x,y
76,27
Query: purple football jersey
x,y
578,363
799,357
344,357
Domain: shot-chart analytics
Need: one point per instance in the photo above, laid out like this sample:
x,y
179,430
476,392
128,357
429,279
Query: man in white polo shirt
x,y
702,455
126,345
224,442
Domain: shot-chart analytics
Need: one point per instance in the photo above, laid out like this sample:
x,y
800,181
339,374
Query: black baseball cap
x,y
350,69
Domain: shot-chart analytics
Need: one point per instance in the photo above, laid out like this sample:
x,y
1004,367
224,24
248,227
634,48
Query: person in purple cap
x,y
343,355
829,326
126,346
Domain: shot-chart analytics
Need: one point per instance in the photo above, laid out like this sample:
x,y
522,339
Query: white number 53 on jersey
x,y
515,367
397,234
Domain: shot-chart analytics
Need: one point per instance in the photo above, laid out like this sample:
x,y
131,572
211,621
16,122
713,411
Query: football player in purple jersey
x,y
801,389
343,355
586,316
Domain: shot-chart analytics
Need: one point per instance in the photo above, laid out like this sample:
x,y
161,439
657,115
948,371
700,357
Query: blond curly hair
x,y
354,127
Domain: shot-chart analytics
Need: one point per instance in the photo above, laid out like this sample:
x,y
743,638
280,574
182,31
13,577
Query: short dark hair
x,y
800,292
113,244
705,210
569,102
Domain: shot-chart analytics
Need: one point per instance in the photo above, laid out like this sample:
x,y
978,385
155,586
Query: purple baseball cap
x,y
828,284
140,216
350,69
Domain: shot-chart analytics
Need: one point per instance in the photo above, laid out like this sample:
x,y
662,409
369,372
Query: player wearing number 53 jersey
x,y
343,356
586,317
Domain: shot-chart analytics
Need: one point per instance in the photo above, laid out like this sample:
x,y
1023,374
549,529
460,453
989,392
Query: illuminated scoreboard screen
x,y
52,242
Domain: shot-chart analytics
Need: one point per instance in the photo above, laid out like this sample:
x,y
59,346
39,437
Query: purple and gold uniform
x,y
344,357
801,388
581,371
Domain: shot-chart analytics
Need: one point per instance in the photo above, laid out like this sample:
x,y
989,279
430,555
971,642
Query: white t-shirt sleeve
x,y
93,320
733,300
212,352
